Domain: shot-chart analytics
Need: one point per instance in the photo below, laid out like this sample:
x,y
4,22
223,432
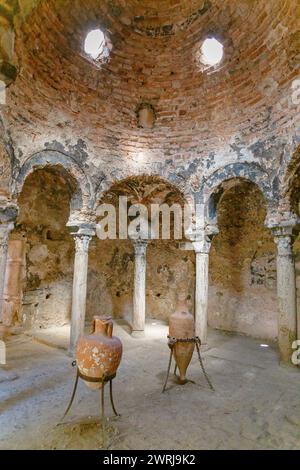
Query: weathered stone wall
x,y
241,112
242,294
242,264
44,211
8,60
110,278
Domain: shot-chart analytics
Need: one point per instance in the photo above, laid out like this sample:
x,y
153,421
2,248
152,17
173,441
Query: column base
x,y
138,334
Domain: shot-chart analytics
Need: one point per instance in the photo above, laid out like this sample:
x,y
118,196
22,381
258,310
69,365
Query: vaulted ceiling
x,y
62,95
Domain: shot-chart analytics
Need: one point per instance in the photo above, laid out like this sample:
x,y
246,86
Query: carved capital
x,y
140,247
82,243
202,240
284,245
202,246
285,227
8,212
82,233
283,223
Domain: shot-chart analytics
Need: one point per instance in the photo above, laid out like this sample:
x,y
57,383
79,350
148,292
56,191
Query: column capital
x,y
284,245
283,231
82,235
82,242
282,221
284,226
202,246
8,213
202,240
284,237
140,246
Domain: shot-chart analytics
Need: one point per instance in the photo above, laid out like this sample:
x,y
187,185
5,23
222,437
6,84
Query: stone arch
x,y
290,193
168,267
211,187
108,182
83,194
242,262
104,183
180,184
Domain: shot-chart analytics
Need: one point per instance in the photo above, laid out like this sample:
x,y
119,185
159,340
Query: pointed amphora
x,y
182,326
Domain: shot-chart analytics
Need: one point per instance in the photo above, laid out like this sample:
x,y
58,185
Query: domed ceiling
x,y
238,108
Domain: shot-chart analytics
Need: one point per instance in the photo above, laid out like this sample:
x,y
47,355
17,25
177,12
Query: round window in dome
x,y
94,44
212,52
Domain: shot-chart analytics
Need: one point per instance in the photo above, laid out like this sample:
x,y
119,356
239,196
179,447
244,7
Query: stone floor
x,y
255,406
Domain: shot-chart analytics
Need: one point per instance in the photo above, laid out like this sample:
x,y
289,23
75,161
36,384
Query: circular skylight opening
x,y
212,52
94,43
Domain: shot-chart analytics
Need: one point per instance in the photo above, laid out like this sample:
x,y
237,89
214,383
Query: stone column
x,y
82,241
139,293
286,292
202,249
5,230
13,286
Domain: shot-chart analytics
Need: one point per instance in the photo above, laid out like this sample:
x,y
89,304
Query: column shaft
x,y
4,235
79,289
202,244
201,295
286,291
139,293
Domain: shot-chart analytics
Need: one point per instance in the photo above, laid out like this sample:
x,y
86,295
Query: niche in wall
x,y
242,293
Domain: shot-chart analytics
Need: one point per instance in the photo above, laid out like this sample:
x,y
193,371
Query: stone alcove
x,y
243,264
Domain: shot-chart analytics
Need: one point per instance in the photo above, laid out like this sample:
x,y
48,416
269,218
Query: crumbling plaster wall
x,y
111,262
242,294
44,211
111,271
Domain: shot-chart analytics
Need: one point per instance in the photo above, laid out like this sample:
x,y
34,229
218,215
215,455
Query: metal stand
x,y
171,343
102,380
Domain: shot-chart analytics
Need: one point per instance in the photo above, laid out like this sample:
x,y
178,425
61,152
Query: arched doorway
x,y
242,292
111,262
292,198
41,258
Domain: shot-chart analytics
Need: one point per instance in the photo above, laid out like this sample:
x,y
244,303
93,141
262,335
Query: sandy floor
x,y
256,403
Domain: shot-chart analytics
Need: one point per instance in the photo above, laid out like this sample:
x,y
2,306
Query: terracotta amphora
x,y
99,354
182,326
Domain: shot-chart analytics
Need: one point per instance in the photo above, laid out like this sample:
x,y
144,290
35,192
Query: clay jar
x,y
99,354
182,326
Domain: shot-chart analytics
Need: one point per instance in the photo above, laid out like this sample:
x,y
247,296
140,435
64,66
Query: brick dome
x,y
154,58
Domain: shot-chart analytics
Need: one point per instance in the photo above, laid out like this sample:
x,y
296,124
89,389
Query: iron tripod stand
x,y
103,380
171,343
